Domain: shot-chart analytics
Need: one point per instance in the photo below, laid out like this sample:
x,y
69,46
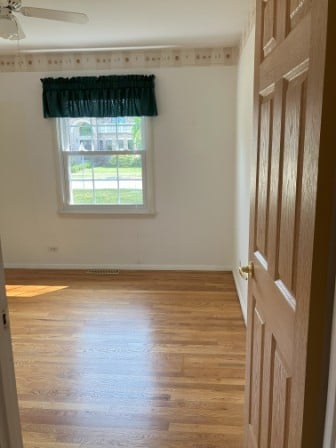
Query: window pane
x,y
136,133
102,134
85,130
80,179
110,180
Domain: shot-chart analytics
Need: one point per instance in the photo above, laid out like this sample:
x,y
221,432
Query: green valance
x,y
102,96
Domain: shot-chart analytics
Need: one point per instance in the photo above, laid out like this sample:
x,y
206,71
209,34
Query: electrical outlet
x,y
52,249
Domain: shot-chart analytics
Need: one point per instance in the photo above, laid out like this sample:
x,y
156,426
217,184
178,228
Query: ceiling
x,y
133,23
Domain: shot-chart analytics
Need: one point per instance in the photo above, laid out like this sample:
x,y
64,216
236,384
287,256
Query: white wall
x,y
243,159
194,139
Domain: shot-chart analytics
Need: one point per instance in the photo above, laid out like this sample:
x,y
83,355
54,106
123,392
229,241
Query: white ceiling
x,y
134,23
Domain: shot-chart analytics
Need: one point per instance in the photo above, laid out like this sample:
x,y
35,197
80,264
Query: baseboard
x,y
242,301
130,267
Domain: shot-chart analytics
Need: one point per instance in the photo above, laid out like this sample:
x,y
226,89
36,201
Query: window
x,y
105,165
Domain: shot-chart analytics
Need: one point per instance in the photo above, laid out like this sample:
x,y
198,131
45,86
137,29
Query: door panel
x,y
256,379
264,158
284,191
279,399
298,8
291,153
269,32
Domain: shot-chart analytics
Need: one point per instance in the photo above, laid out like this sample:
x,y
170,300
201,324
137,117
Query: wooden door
x,y
10,429
291,226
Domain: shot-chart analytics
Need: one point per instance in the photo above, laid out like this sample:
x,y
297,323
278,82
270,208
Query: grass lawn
x,y
103,172
108,196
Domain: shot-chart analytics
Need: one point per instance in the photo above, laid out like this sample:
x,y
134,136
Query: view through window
x,y
104,161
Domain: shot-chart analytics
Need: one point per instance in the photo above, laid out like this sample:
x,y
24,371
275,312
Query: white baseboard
x,y
242,300
130,267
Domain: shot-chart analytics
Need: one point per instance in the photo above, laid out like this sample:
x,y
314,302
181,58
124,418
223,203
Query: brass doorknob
x,y
246,271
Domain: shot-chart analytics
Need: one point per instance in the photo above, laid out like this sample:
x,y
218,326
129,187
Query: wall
x,y
194,139
243,158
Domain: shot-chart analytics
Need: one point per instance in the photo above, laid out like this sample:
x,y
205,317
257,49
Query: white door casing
x,y
10,428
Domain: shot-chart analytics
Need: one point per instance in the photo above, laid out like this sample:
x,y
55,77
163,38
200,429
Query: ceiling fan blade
x,y
51,14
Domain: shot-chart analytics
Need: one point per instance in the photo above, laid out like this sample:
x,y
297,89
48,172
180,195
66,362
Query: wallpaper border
x,y
84,61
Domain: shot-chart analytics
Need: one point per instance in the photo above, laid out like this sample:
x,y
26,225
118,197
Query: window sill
x,y
118,211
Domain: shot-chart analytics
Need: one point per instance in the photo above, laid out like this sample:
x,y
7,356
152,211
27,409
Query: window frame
x,y
63,184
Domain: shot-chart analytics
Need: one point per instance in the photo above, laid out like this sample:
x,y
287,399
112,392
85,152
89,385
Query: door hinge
x,y
4,320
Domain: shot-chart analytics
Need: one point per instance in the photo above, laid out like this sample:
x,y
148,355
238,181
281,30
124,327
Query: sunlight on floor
x,y
31,290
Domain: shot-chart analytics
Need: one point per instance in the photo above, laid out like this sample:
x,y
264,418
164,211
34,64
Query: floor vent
x,y
103,271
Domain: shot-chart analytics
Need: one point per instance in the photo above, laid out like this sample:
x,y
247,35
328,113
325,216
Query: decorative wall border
x,y
84,61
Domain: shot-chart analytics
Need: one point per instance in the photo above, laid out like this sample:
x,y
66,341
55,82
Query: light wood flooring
x,y
135,360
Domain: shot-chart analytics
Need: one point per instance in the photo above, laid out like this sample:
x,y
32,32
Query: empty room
x,y
167,223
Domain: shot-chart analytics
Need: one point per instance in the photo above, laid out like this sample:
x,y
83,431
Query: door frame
x,y
324,249
10,426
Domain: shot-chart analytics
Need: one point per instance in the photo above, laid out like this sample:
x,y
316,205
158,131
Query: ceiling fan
x,y
10,27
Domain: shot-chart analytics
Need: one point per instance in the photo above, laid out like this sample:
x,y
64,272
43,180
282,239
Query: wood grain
x,y
294,269
266,121
298,8
141,359
292,150
269,38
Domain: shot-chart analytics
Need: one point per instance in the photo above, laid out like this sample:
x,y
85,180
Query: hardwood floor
x,y
135,360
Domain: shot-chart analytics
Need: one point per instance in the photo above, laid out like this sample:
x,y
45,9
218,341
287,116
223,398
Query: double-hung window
x,y
105,164
104,144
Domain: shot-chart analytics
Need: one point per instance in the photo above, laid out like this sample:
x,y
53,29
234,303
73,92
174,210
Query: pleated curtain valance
x,y
102,96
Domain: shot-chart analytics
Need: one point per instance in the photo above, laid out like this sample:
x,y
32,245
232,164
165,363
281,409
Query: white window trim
x,y
64,207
